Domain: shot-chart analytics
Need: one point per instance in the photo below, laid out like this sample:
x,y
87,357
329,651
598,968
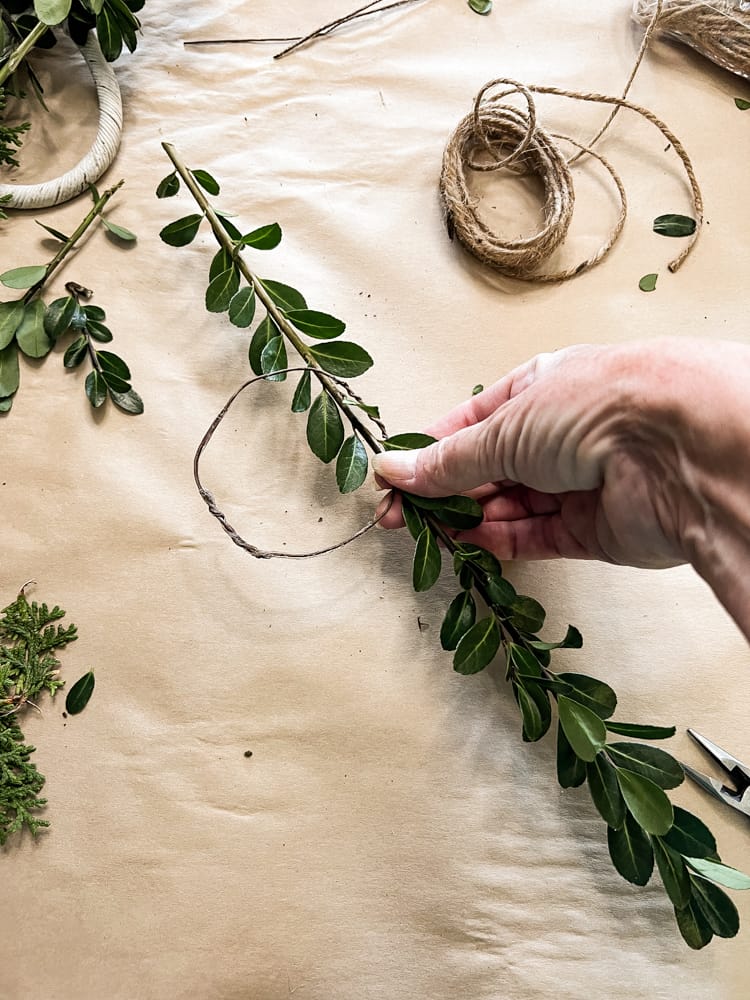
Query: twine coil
x,y
719,30
102,152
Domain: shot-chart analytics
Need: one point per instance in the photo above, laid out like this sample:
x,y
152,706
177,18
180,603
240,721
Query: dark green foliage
x,y
78,696
674,225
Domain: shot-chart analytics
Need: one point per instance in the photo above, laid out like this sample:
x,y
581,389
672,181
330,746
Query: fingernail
x,y
395,465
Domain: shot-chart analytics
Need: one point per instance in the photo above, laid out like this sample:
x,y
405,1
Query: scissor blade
x,y
714,787
720,755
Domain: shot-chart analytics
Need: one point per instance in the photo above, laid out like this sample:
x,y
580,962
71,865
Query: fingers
x,y
542,537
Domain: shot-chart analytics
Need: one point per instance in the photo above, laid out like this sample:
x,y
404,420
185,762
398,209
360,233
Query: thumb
x,y
454,464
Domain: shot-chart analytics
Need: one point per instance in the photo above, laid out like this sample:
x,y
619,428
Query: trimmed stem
x,y
18,55
227,243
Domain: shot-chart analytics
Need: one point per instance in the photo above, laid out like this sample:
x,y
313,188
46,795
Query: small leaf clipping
x,y
79,694
648,282
742,104
674,225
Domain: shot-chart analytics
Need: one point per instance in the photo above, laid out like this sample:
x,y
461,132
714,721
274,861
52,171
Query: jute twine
x,y
499,136
719,30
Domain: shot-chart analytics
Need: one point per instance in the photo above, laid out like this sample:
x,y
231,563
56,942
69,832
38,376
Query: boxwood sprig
x,y
628,779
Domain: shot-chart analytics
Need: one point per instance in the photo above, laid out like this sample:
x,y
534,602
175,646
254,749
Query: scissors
x,y
738,797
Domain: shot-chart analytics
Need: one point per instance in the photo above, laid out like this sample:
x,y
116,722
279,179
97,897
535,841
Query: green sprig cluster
x,y
627,779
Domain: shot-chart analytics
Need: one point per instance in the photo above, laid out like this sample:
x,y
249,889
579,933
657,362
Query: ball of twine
x,y
719,30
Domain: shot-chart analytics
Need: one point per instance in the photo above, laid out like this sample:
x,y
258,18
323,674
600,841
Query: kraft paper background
x,y
391,837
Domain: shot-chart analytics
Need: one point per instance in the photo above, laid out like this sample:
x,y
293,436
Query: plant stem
x,y
18,55
228,244
65,249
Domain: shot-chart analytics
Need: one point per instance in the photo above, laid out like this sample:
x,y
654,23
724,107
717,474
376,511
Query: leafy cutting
x,y
32,328
628,779
30,636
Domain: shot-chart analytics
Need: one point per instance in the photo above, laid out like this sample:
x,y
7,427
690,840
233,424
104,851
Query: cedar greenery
x,y
29,639
627,779
33,328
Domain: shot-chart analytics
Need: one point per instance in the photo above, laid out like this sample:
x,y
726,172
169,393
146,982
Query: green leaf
x,y
466,577
480,557
460,616
605,791
718,909
480,6
264,238
5,404
76,352
95,313
583,728
524,660
673,873
571,770
427,561
528,614
230,227
11,314
351,465
221,261
651,762
273,359
129,402
695,929
9,372
115,383
593,693
690,836
78,696
119,231
500,592
408,442
181,232
742,104
573,640
478,647
717,872
284,296
477,389
58,317
631,851
458,511
646,801
265,332
242,307
109,35
222,289
648,282
316,324
113,364
344,359
206,181
674,225
23,277
536,714
325,431
51,11
30,335
412,518
53,232
96,388
99,332
640,732
301,398
168,186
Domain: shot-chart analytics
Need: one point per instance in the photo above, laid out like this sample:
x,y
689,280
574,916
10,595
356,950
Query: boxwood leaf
x,y
53,232
182,231
605,791
126,235
325,431
9,372
114,382
51,11
242,307
78,696
651,762
478,647
265,331
583,728
524,660
500,592
427,561
631,851
113,363
460,616
742,104
646,801
23,277
96,388
536,714
408,442
95,313
222,260
640,732
30,335
206,181
273,358
129,402
573,640
458,511
648,282
229,226
316,324
264,238
480,6
342,358
717,872
76,352
592,693
674,873
98,331
695,929
351,465
674,225
6,402
690,836
11,314
412,518
302,395
284,296
168,186
58,317
571,770
528,614
716,907
108,35
222,289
